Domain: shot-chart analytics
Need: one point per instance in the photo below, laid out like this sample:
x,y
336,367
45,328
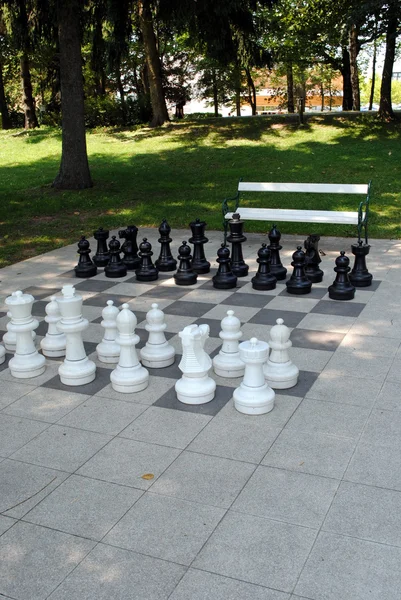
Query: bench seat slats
x,y
313,188
299,216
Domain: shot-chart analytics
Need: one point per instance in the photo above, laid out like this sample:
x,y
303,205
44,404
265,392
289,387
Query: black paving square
x,y
7,357
208,285
305,381
101,300
166,291
214,324
269,317
94,285
188,309
40,292
222,396
316,340
38,308
101,380
370,288
338,307
314,294
171,371
250,300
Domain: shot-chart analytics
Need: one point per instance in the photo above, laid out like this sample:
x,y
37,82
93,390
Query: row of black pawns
x,y
306,264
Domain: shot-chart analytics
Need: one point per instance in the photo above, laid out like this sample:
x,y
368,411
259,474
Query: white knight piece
x,y
254,396
228,363
157,353
280,371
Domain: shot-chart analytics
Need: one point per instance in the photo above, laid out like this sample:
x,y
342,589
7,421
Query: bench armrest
x,y
225,209
363,216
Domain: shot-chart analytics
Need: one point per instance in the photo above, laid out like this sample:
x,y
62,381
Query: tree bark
x,y
353,55
372,86
5,116
157,99
28,101
385,107
251,90
321,96
74,171
215,93
346,74
290,88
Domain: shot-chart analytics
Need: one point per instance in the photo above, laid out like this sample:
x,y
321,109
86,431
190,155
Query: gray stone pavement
x,y
106,496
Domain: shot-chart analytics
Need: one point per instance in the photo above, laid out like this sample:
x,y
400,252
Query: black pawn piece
x,y
236,238
165,262
146,270
199,263
130,247
312,259
224,278
85,266
264,280
102,255
360,276
275,261
298,283
342,289
116,267
185,274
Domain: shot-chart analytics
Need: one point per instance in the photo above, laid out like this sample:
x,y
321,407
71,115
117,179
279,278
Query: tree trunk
x,y
353,54
346,74
28,102
215,94
290,88
385,107
372,87
251,91
74,169
121,91
157,99
321,96
5,117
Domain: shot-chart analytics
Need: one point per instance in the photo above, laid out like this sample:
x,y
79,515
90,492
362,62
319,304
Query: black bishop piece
x,y
115,267
165,262
224,278
236,238
264,280
130,247
85,266
312,259
102,255
199,263
342,289
275,261
146,270
185,274
298,283
360,276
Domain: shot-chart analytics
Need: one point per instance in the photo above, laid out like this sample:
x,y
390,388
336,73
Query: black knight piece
x,y
199,263
342,289
130,247
85,266
236,238
165,262
298,283
115,267
224,278
264,280
185,274
102,255
360,276
146,270
275,261
312,259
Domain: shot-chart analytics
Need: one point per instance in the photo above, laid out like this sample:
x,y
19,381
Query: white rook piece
x,y
129,375
254,396
280,371
227,363
10,338
195,385
157,353
76,369
108,351
54,342
27,362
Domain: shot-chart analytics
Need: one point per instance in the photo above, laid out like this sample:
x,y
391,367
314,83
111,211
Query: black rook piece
x,y
224,278
116,267
264,280
146,270
102,255
85,266
236,238
298,283
198,239
342,289
165,262
185,274
360,276
130,247
312,258
275,262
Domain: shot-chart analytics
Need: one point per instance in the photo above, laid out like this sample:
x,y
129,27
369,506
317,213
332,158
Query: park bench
x,y
358,217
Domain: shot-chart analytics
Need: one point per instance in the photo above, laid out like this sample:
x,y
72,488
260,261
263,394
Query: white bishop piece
x,y
10,338
129,375
76,369
54,342
227,363
254,396
108,351
280,371
157,353
27,362
195,385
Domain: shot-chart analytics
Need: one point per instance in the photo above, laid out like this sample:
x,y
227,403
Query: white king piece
x,y
280,371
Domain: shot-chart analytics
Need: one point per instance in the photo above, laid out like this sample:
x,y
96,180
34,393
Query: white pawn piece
x,y
195,385
76,369
280,371
254,396
2,354
10,338
54,342
157,353
227,363
26,362
129,376
108,351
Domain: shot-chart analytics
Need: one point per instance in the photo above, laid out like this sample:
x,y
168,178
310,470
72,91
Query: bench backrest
x,y
313,188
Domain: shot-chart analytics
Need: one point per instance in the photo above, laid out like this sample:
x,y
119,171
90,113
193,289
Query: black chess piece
x,y
342,288
185,274
298,283
130,247
199,263
236,238
224,279
146,270
85,266
264,280
276,266
115,267
102,255
165,262
360,276
312,259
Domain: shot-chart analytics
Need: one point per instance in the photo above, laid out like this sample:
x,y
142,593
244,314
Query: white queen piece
x,y
195,385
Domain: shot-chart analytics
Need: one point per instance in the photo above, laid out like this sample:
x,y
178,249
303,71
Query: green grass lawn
x,y
186,169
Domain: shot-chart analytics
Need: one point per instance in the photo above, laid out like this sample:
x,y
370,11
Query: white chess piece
x,y
27,362
254,396
10,338
227,363
108,351
195,385
280,371
157,353
54,342
76,369
129,375
2,354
